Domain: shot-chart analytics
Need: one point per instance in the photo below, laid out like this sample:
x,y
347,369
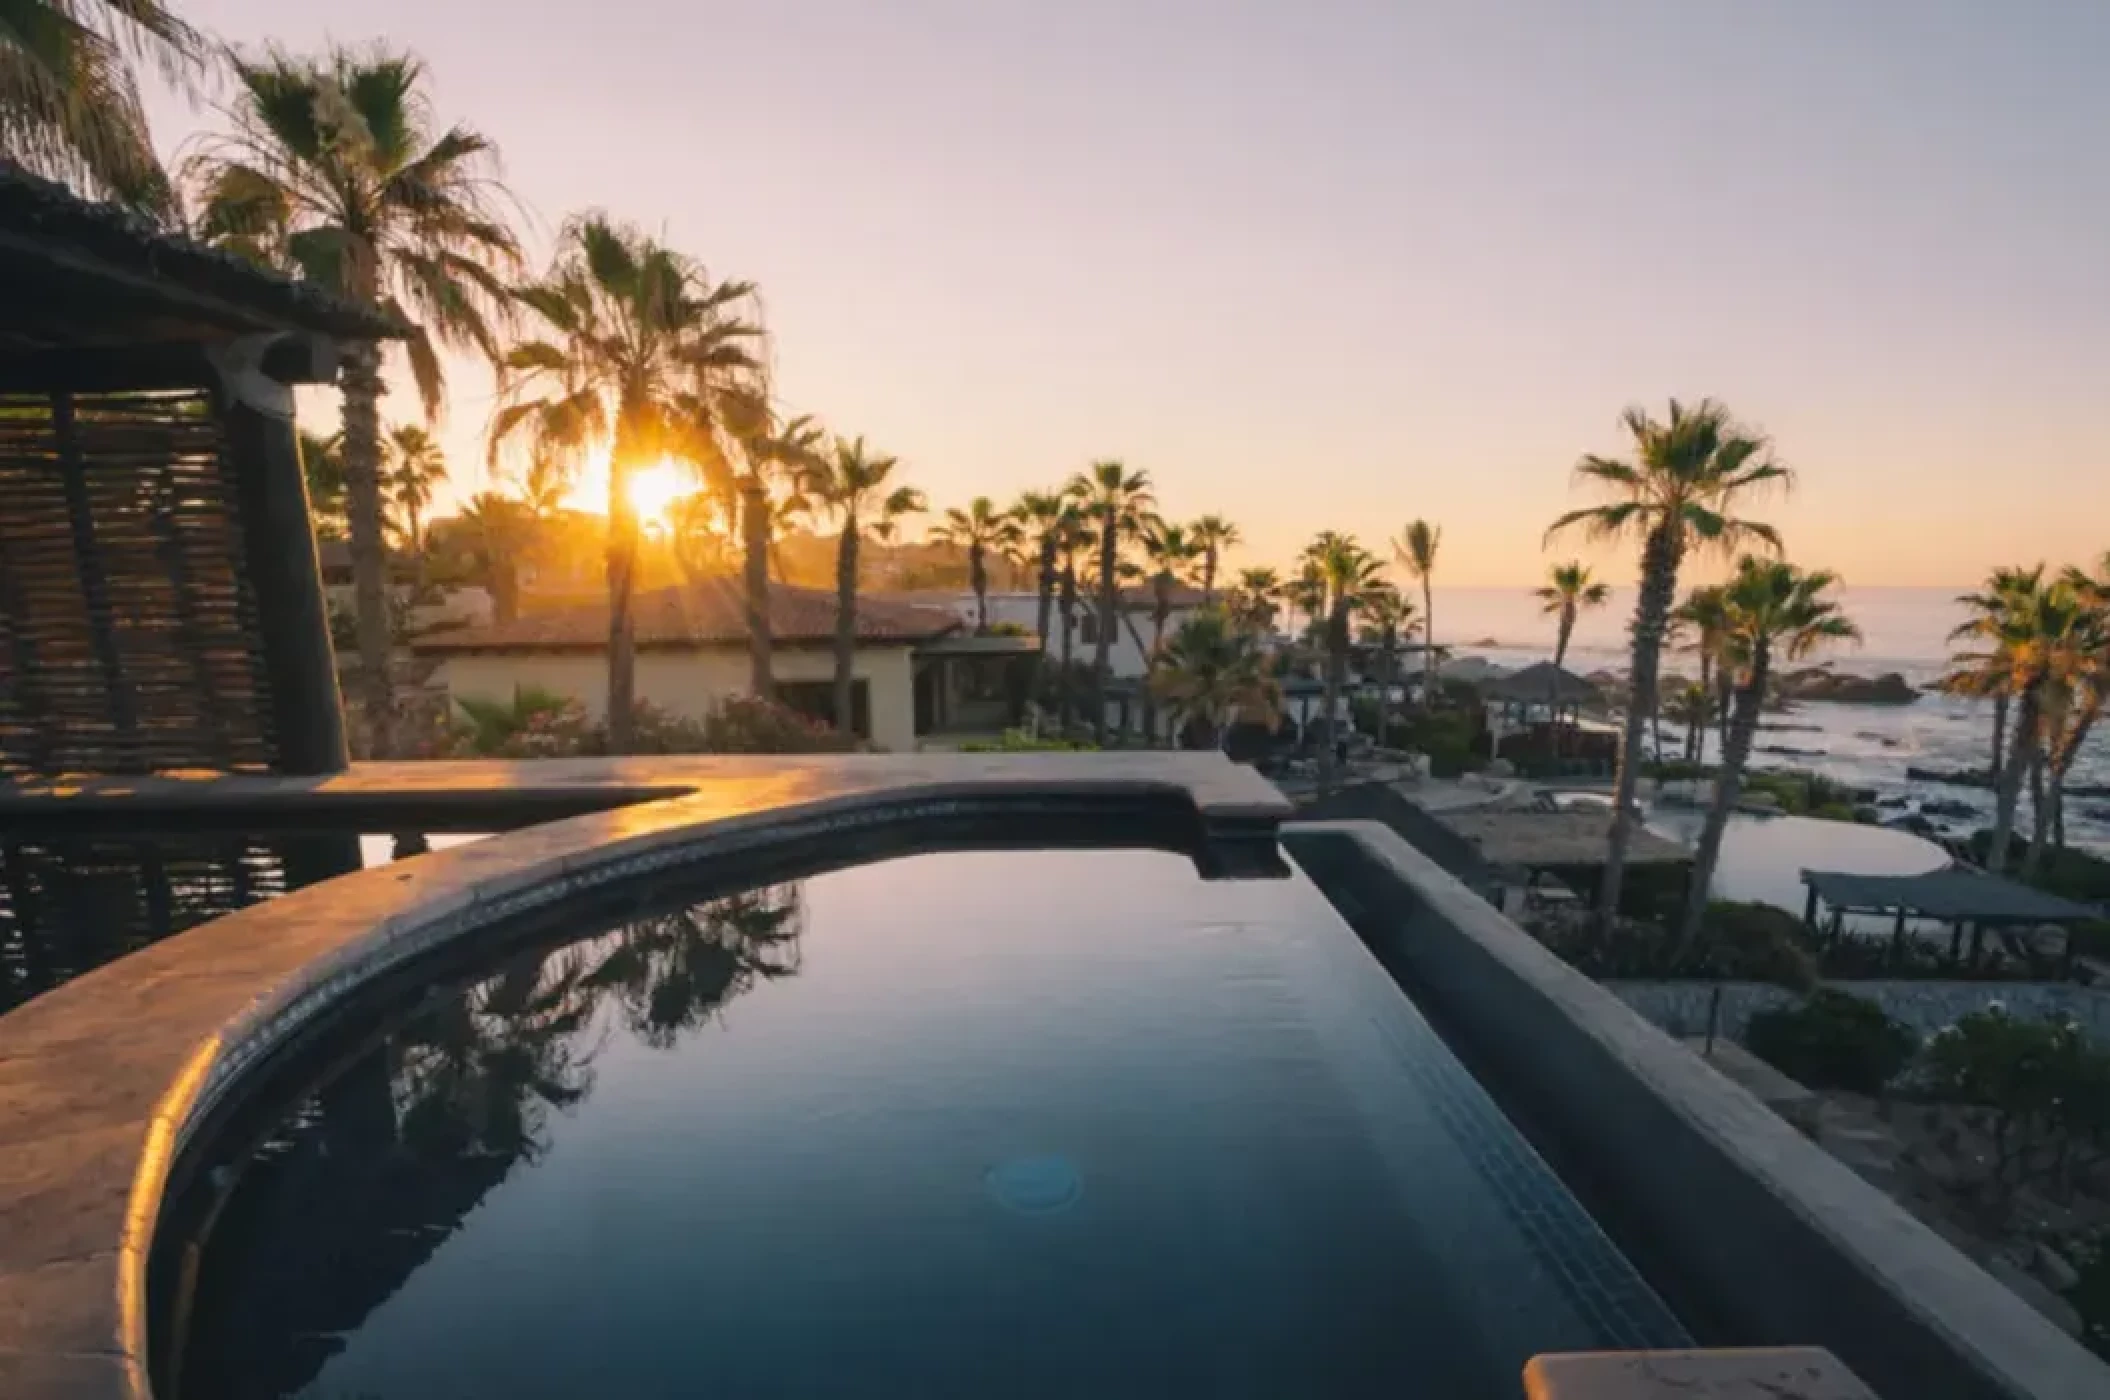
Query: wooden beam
x,y
180,364
293,622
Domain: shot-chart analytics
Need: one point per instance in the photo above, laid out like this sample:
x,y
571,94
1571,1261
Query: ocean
x,y
1869,746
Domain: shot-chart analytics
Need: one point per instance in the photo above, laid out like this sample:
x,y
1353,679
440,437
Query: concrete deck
x,y
105,1082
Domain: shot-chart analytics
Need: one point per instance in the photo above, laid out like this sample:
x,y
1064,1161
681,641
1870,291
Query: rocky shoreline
x,y
1981,779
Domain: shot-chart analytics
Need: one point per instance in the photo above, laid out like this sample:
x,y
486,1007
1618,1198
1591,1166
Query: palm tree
x,y
1211,674
1170,551
1348,576
1388,619
851,486
634,349
1040,516
747,461
1706,612
1984,609
1306,593
69,102
1215,537
981,530
1076,537
1693,707
2092,687
1568,590
1117,503
334,169
1687,475
497,531
1773,609
417,467
1415,550
322,467
700,535
1254,603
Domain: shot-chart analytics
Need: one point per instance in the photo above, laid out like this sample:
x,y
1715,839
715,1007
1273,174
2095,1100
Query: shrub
x,y
2091,1296
1833,1041
538,723
2037,1088
1737,942
535,723
745,724
1019,741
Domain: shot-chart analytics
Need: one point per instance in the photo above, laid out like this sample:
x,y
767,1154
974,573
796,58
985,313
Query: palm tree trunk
x,y
1336,672
1384,692
1109,602
361,380
754,523
1428,638
978,579
1659,588
1047,592
1561,635
2039,817
2007,793
846,626
1209,579
1069,636
1999,738
417,545
622,581
1728,784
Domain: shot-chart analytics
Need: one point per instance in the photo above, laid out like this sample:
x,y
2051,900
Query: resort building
x,y
1127,658
915,674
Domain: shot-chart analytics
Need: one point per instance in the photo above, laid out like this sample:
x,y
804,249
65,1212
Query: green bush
x,y
2040,1091
1833,1041
1019,741
1737,943
2091,1296
538,723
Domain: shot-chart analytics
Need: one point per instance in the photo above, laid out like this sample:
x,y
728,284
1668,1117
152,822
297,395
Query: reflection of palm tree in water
x,y
361,1183
673,972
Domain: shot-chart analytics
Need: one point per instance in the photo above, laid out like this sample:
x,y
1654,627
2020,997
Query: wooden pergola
x,y
1967,900
160,604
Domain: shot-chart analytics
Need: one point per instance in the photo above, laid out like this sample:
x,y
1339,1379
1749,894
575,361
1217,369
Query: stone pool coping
x,y
1749,1213
103,1080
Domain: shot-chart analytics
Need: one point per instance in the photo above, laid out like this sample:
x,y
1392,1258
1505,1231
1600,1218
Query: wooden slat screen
x,y
67,907
128,641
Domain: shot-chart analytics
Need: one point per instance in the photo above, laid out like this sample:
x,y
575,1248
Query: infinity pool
x,y
1051,1123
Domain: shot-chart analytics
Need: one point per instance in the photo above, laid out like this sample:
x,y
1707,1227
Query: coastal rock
x,y
1869,737
1951,777
1791,751
1894,801
1841,688
1947,807
1914,823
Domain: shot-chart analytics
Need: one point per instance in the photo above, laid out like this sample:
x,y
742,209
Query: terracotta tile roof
x,y
712,613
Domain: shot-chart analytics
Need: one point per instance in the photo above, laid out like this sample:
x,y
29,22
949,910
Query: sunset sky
x,y
1338,264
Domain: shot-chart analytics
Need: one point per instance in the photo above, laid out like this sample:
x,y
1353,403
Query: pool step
x,y
1757,1373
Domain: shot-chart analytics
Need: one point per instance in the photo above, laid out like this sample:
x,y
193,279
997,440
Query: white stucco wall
x,y
1124,658
691,683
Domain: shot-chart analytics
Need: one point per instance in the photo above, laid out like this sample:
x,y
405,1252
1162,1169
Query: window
x,y
816,700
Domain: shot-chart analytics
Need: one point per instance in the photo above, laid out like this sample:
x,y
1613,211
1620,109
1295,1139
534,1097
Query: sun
x,y
654,490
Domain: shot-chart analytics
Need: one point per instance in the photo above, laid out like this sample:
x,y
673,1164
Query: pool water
x,y
1040,1124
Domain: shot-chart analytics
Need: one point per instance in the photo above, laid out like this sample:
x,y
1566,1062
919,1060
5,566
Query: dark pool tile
x,y
68,1307
64,1197
26,1377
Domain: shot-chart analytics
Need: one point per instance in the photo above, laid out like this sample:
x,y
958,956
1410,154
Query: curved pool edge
x,y
104,1080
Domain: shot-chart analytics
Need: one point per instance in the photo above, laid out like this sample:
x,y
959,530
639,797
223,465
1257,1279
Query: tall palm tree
x,y
416,468
1170,551
757,461
497,531
1256,600
1215,536
1693,707
631,352
1388,619
2091,687
981,530
1040,516
1984,609
850,485
1348,576
1706,612
335,168
700,535
1212,674
1568,590
1306,593
69,102
1117,503
1688,474
1773,609
1415,551
1076,538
